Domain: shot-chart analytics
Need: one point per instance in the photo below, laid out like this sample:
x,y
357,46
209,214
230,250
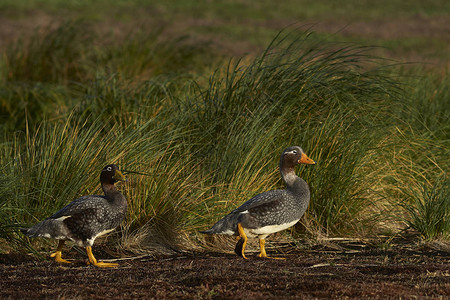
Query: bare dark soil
x,y
371,273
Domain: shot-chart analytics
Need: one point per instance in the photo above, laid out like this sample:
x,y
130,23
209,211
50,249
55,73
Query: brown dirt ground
x,y
306,274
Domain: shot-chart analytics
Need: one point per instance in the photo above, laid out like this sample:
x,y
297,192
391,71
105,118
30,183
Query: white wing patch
x,y
228,232
266,230
91,240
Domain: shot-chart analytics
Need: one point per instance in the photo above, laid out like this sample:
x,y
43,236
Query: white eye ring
x,y
108,169
294,151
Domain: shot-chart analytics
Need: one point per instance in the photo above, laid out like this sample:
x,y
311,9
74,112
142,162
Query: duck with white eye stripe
x,y
86,218
271,211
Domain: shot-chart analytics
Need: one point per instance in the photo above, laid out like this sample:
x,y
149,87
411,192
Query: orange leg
x,y
263,249
96,263
244,237
57,254
262,253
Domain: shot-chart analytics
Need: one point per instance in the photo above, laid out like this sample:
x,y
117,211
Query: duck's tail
x,y
226,226
49,228
34,231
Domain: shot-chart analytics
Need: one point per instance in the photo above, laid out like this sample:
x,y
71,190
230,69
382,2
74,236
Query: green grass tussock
x,y
208,141
52,55
320,98
24,103
428,208
77,52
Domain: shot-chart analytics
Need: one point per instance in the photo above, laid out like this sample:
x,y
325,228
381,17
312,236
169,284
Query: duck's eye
x,y
294,151
108,169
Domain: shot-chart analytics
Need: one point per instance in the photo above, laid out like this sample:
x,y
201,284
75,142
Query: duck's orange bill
x,y
306,160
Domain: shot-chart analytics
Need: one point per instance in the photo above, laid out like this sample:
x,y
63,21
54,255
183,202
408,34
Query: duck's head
x,y
293,156
111,174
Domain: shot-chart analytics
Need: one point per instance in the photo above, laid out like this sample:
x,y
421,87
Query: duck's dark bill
x,y
119,176
135,172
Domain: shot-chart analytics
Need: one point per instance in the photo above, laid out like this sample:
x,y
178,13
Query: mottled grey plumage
x,y
271,211
87,217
